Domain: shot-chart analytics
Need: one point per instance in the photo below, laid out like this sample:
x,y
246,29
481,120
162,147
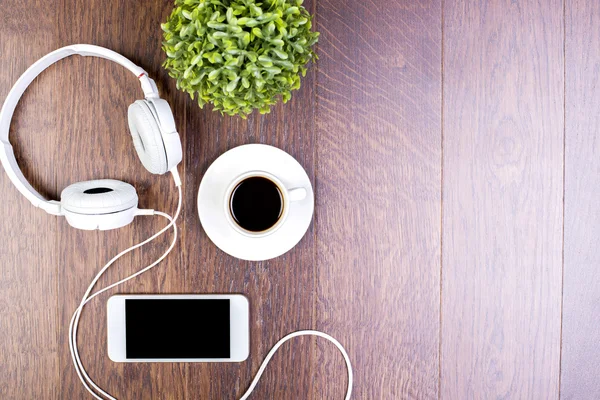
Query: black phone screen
x,y
177,328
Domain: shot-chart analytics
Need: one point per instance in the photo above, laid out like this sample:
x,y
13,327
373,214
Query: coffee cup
x,y
257,203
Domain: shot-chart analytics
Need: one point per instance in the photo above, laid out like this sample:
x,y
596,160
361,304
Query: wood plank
x,y
95,95
502,199
378,197
281,291
581,295
28,288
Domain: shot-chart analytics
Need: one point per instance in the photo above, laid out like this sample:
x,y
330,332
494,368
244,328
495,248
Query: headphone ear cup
x,y
170,137
99,204
147,138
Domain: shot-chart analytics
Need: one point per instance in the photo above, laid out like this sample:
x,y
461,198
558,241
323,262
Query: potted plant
x,y
238,55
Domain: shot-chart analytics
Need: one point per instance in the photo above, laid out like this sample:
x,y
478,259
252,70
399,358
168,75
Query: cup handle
x,y
297,194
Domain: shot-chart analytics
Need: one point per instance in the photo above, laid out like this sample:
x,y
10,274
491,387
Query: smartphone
x,y
178,328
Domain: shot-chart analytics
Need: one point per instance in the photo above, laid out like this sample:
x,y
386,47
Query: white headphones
x,y
104,203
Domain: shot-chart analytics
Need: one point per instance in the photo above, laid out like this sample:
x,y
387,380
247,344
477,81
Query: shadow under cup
x,y
256,204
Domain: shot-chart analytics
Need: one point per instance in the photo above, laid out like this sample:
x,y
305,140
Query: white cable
x,y
293,335
76,316
83,376
88,383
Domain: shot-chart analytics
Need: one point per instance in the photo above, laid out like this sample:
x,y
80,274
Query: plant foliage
x,y
238,54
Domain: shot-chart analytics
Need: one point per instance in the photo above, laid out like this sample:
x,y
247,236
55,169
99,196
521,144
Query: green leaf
x,y
244,21
217,25
220,35
256,10
257,32
245,83
281,54
188,72
232,85
298,47
174,54
284,64
214,75
233,61
197,60
245,39
197,80
252,56
273,70
231,74
217,58
187,30
265,61
267,17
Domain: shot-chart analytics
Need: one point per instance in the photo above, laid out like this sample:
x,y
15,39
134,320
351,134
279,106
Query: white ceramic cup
x,y
287,196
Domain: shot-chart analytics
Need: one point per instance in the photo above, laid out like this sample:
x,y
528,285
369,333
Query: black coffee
x,y
256,204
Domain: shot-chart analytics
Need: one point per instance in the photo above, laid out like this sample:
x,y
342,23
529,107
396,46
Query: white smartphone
x,y
178,328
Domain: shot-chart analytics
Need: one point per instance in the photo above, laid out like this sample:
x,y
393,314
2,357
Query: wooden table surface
x,y
454,149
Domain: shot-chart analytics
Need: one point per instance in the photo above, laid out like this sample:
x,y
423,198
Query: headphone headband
x,y
7,156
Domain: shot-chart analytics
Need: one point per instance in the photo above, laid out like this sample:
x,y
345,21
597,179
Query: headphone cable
x,y
292,335
88,383
81,372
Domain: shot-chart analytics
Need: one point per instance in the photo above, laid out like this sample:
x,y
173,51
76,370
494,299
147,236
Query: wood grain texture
x,y
434,134
502,199
281,290
378,196
581,295
29,261
94,97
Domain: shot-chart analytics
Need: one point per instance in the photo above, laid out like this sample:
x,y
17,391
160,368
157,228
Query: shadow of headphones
x,y
104,203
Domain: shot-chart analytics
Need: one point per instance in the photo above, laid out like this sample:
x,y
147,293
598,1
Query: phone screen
x,y
177,328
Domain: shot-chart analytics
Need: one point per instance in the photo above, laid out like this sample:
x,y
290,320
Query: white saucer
x,y
253,157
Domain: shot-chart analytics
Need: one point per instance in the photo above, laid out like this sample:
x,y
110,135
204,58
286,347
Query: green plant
x,y
238,54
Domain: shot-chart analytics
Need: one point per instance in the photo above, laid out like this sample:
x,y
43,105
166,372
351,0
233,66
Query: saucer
x,y
216,180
